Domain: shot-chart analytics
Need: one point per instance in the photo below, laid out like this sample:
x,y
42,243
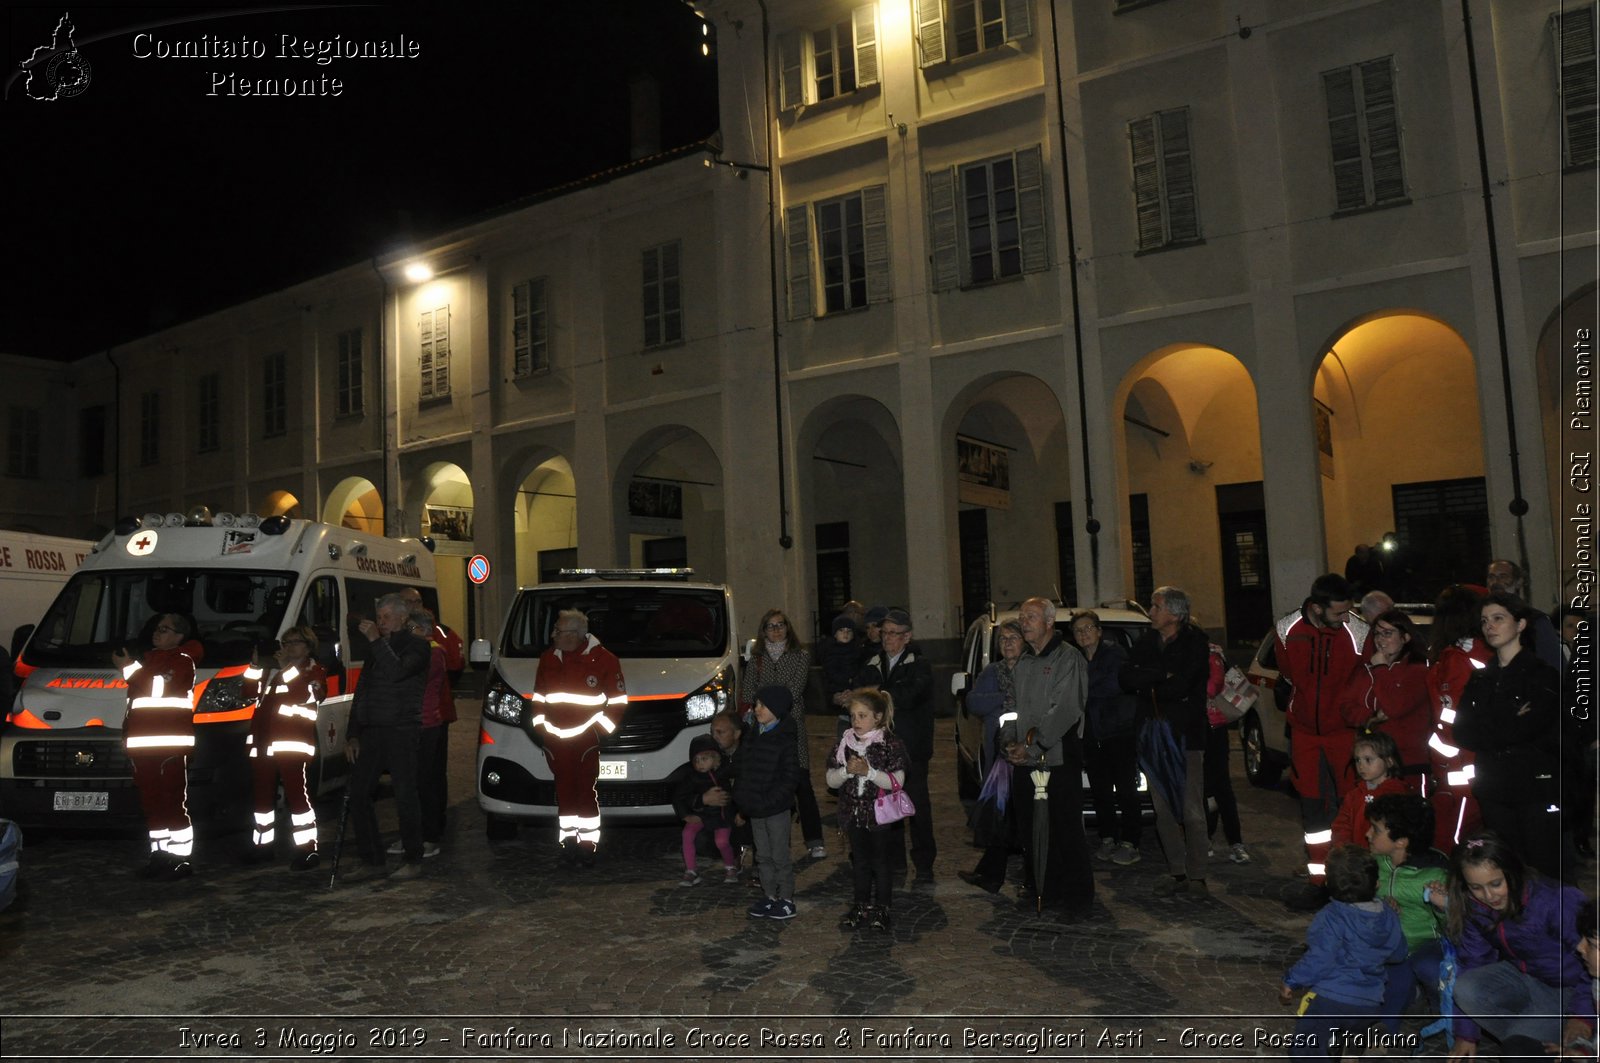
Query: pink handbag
x,y
893,804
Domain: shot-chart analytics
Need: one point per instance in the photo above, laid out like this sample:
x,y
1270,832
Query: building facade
x,y
975,299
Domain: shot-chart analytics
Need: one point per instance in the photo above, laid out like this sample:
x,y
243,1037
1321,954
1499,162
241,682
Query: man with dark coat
x,y
899,670
385,727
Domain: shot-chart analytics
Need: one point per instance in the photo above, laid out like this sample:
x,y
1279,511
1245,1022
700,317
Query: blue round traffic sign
x,y
478,568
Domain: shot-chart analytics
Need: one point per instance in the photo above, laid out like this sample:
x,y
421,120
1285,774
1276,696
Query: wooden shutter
x,y
791,71
875,237
1146,182
671,294
1177,177
1344,134
797,243
945,259
1575,49
434,365
425,359
1030,210
865,22
1382,115
930,31
521,342
1018,18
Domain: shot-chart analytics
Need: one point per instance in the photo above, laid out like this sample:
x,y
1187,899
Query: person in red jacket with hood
x,y
158,733
1319,647
1389,692
578,695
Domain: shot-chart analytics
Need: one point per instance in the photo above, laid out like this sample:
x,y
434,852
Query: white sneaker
x,y
397,849
428,849
818,852
1239,854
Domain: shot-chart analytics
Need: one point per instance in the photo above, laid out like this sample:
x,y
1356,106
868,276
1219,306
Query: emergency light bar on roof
x,y
627,573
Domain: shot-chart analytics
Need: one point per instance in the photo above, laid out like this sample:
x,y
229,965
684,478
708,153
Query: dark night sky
x,y
144,201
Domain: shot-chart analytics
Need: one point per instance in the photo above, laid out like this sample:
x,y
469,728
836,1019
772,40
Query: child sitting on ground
x,y
1350,943
868,759
1377,763
706,772
769,771
1400,827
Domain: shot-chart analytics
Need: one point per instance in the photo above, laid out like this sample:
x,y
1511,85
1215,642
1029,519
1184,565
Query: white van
x,y
32,570
241,581
677,643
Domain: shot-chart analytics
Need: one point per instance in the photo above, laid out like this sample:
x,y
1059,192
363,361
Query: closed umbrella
x,y
1041,831
1161,758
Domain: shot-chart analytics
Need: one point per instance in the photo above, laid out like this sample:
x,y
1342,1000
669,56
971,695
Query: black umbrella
x,y
1041,830
1162,761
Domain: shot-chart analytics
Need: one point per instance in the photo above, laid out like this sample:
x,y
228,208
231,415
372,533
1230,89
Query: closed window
x,y
275,395
954,29
22,442
987,220
1574,33
829,62
848,254
1163,180
149,428
349,392
530,328
1364,130
433,363
663,296
208,413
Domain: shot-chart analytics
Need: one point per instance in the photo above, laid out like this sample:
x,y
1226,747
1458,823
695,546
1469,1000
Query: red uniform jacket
x,y
1447,680
1400,692
1350,825
576,693
285,720
1319,661
160,702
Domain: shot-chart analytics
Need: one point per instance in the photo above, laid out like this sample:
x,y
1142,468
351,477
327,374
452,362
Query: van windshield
x,y
629,620
230,611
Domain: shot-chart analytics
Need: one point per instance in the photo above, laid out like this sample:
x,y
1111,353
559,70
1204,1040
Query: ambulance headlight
x,y
223,694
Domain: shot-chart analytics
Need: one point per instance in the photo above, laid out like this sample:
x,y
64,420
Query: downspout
x,y
1090,524
383,392
785,540
1518,505
116,436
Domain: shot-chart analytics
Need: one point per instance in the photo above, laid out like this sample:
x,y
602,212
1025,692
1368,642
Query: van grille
x,y
646,727
56,758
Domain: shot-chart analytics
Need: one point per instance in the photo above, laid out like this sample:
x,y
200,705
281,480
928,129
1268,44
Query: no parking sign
x,y
478,568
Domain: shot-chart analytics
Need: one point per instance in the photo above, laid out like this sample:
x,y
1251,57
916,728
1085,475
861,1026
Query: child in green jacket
x,y
1399,829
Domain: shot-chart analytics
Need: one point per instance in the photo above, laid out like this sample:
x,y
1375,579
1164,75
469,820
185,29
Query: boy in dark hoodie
x,y
764,792
706,773
1350,944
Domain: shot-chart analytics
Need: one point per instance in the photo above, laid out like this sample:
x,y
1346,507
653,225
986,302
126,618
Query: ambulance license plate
x,y
82,800
613,769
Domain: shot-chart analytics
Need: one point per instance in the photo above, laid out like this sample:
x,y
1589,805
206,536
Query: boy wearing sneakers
x,y
706,773
769,771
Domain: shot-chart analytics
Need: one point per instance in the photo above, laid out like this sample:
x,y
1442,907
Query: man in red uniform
x,y
158,734
283,740
1319,647
577,696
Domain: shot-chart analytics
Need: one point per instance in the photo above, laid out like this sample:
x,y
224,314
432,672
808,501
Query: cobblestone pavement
x,y
95,963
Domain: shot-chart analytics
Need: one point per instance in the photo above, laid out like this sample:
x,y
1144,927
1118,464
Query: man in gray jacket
x,y
1045,733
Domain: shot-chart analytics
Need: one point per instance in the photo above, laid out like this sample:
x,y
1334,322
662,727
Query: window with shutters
x,y
1364,131
663,296
955,29
22,442
1164,200
530,329
848,255
149,428
208,410
433,363
987,220
1574,33
275,395
350,397
828,63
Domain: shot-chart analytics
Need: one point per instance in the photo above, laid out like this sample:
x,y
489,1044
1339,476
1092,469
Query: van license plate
x,y
613,769
82,801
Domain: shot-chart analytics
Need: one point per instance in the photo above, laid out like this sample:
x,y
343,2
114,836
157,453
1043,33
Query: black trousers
x,y
1113,766
920,826
394,749
869,865
433,756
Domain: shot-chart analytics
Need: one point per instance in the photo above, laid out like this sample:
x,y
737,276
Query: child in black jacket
x,y
706,772
764,791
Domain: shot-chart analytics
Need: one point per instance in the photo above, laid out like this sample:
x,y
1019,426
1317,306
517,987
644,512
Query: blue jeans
x,y
1508,1003
1419,968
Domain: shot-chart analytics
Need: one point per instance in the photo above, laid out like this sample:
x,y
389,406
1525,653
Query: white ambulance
x,y
32,570
241,581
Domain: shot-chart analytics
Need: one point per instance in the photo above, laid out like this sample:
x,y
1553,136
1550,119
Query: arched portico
x,y
354,502
668,503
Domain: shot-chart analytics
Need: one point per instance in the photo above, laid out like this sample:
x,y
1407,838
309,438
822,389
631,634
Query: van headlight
x,y
503,704
707,701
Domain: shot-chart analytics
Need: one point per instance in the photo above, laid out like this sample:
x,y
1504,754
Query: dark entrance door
x,y
833,573
974,529
1246,587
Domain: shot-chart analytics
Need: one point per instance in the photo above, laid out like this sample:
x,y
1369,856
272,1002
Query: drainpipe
x,y
1090,524
383,393
1518,505
785,540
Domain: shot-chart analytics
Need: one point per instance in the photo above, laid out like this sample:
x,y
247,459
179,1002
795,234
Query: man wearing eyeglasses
x,y
158,733
897,668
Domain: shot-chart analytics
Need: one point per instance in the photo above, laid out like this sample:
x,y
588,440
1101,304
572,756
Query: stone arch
x,y
668,502
281,503
355,503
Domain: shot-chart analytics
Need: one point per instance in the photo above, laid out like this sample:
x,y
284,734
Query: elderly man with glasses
x,y
158,734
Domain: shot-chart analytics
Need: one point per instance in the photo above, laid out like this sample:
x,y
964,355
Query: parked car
x,y
1120,621
1264,729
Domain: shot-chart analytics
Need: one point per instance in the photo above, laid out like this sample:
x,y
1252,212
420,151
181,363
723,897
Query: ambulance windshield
x,y
97,612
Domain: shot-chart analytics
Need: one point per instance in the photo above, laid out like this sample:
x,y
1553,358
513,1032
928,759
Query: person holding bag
x,y
1218,786
868,768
